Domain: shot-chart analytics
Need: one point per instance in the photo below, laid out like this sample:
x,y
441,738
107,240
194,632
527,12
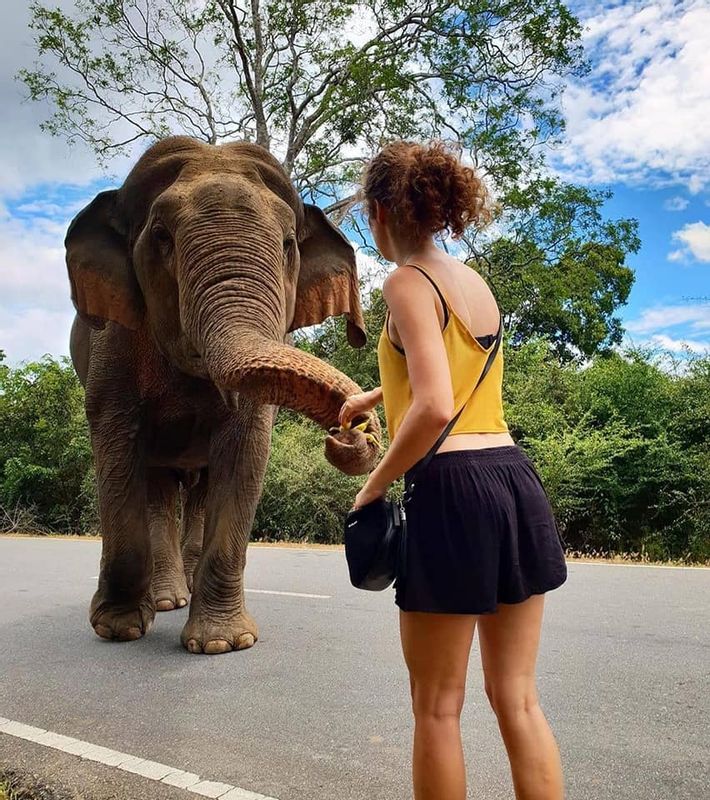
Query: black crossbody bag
x,y
376,534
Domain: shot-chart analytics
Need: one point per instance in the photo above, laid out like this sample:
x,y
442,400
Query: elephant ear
x,y
327,281
103,284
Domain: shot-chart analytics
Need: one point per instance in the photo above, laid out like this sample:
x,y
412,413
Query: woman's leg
x,y
509,642
436,649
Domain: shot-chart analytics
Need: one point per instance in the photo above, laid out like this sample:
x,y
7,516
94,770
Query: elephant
x,y
187,282
175,554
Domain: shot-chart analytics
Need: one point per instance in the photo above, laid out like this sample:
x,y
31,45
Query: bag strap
x,y
449,427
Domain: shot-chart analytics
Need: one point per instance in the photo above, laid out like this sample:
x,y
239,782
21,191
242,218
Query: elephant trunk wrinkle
x,y
241,359
223,286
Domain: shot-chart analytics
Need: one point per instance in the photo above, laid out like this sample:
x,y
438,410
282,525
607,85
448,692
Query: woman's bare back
x,y
466,292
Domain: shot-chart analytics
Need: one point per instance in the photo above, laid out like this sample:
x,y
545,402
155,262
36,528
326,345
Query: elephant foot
x,y
123,622
170,591
204,635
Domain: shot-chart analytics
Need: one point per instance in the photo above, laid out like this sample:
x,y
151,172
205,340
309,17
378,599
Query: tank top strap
x,y
431,280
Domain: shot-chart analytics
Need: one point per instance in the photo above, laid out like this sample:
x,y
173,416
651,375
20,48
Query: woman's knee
x,y
437,700
510,698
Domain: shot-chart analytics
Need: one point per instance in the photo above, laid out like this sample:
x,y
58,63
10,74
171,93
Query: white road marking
x,y
290,594
152,770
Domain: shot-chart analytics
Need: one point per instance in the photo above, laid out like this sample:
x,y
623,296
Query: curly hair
x,y
426,188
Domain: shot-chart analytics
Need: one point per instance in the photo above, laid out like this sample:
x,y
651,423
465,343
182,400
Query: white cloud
x,y
679,329
643,114
694,315
695,240
28,334
32,267
370,271
29,156
676,203
35,307
679,345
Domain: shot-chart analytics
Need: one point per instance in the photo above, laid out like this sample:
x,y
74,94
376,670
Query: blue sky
x,y
639,124
670,300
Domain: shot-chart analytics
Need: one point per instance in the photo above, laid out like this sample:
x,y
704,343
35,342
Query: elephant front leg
x,y
193,495
122,607
219,621
169,584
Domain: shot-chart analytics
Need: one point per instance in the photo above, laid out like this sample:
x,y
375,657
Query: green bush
x,y
622,447
622,444
304,498
45,453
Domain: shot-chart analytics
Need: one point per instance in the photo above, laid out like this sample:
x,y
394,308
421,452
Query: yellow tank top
x,y
483,411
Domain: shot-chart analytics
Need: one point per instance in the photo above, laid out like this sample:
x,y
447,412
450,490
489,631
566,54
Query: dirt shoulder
x,y
20,785
621,560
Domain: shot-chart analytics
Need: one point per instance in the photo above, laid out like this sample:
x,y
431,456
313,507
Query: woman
x,y
482,542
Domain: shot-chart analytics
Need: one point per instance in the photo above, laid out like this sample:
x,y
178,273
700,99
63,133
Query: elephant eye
x,y
288,245
161,236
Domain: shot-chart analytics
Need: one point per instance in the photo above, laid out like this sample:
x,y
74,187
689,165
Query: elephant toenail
x,y
245,640
182,602
165,605
217,646
103,631
193,646
130,634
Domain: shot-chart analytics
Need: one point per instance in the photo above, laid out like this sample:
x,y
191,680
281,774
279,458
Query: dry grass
x,y
16,785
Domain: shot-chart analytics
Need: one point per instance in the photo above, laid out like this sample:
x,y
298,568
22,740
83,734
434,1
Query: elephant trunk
x,y
244,353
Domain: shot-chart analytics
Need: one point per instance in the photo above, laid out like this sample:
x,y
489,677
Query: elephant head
x,y
210,251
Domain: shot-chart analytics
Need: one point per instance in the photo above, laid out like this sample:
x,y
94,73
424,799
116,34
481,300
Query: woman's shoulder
x,y
400,281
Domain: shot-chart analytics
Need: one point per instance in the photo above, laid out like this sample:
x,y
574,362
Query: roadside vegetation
x,y
17,785
621,441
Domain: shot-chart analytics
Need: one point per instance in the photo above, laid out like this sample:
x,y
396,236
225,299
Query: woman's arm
x,y
413,310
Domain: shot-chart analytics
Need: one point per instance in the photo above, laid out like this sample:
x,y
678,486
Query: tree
x,y
559,269
318,83
323,84
45,455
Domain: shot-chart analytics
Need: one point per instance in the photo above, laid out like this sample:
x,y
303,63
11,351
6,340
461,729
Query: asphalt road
x,y
318,709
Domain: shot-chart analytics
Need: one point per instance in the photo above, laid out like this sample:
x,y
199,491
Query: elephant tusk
x,y
230,398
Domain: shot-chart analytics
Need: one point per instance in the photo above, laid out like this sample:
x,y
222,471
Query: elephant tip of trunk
x,y
352,452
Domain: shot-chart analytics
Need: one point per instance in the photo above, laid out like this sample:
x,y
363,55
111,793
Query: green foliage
x,y
621,445
45,454
310,79
560,271
304,498
330,343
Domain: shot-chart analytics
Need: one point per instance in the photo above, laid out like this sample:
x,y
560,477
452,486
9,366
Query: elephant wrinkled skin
x,y
187,281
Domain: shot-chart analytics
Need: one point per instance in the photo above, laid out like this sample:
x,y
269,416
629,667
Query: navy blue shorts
x,y
480,531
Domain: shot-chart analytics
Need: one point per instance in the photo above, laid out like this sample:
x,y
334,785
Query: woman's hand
x,y
358,404
369,492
